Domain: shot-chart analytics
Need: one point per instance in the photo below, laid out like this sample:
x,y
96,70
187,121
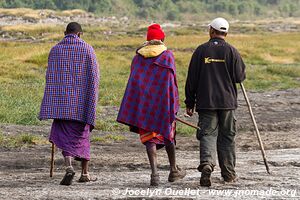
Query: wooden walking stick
x,y
187,123
52,159
256,129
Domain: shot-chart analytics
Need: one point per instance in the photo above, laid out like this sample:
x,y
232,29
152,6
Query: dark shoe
x,y
67,180
205,176
230,179
176,175
154,180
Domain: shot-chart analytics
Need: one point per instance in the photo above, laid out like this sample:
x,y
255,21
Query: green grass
x,y
272,77
98,139
284,70
38,59
185,130
20,103
110,125
108,138
21,140
271,64
1,138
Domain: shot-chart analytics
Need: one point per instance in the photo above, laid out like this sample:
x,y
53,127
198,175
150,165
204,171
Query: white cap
x,y
220,24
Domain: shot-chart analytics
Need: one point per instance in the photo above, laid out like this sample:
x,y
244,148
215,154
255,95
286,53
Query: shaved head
x,y
74,28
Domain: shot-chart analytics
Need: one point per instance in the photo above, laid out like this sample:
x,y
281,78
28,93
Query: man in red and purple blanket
x,y
151,101
70,98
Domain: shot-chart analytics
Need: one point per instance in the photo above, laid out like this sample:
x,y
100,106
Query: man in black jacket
x,y
214,70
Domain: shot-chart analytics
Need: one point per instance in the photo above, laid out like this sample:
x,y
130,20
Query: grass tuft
x,y
284,70
115,137
110,125
21,140
38,59
185,130
108,138
98,139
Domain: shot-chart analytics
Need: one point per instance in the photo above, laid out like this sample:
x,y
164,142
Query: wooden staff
x,y
187,123
52,159
256,129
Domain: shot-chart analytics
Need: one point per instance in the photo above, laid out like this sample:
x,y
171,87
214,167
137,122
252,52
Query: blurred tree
x,y
274,2
2,3
14,3
102,6
233,9
169,9
220,6
49,4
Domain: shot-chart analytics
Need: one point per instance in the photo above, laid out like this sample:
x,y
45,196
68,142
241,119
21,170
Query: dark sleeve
x,y
239,67
191,81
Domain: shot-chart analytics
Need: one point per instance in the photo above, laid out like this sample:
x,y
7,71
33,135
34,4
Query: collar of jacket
x,y
216,38
72,35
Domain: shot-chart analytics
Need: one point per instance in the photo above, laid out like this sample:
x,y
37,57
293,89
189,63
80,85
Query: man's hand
x,y
190,111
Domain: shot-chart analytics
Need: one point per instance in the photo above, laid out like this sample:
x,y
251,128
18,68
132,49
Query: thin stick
x,y
256,129
187,123
52,160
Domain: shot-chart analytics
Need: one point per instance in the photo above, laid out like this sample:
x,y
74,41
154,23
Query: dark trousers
x,y
217,136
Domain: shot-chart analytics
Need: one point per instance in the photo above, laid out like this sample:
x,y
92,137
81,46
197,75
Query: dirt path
x,y
122,166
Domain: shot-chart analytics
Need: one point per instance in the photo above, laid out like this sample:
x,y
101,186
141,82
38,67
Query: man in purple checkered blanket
x,y
70,98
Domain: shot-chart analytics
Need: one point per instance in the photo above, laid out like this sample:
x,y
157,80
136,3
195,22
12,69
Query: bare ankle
x,y
173,168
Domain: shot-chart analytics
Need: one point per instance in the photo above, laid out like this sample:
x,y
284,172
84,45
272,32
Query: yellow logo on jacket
x,y
210,60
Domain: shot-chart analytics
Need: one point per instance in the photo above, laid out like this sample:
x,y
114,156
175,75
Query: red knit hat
x,y
155,32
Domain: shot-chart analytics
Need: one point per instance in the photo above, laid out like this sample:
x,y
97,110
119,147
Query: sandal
x,y
68,178
86,178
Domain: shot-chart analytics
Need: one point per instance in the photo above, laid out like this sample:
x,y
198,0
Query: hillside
x,y
170,9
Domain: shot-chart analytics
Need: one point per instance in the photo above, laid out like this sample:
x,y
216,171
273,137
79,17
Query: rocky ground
x,y
123,171
48,17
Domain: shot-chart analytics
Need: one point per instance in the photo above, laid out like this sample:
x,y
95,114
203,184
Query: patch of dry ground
x,y
24,173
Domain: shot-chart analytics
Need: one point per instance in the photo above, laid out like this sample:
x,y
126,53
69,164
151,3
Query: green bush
x,y
168,9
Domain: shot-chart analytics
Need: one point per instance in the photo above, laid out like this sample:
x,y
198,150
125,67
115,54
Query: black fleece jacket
x,y
214,70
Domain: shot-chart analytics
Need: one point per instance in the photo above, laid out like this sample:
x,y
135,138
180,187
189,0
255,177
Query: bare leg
x,y
151,152
68,161
84,167
172,157
176,173
85,177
